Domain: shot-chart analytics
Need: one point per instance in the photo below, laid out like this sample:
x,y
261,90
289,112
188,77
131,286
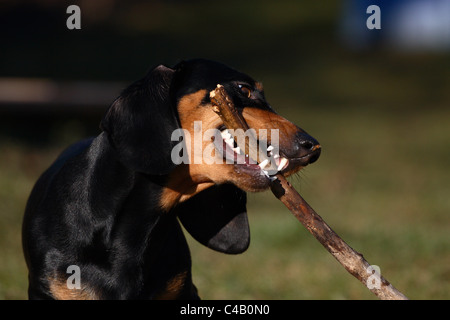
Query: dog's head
x,y
164,124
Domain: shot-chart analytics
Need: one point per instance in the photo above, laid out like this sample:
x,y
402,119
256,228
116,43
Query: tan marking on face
x,y
264,119
189,179
181,187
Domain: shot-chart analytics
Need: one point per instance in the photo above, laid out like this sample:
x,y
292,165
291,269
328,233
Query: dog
x,y
112,205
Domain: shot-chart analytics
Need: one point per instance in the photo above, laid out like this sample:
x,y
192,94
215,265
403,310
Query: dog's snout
x,y
308,144
305,148
305,143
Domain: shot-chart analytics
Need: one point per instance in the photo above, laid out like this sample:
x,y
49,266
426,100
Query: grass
x,y
19,169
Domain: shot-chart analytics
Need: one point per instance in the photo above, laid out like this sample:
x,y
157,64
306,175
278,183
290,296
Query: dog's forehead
x,y
205,74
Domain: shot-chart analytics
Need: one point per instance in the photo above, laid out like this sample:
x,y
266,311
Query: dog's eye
x,y
247,91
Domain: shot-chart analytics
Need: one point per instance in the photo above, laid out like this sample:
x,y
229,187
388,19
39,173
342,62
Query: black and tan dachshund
x,y
111,205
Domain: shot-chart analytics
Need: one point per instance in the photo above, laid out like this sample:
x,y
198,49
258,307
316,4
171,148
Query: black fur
x,y
98,207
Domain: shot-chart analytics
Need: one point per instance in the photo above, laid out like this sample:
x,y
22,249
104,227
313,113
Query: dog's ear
x,y
140,123
217,218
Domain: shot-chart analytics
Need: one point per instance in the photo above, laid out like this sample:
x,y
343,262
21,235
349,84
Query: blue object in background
x,y
406,25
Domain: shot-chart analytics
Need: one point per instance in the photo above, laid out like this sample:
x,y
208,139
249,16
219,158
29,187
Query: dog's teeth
x,y
283,162
269,148
230,142
237,150
225,134
263,164
276,156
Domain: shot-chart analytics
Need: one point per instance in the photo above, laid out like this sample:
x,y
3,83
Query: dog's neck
x,y
126,210
181,185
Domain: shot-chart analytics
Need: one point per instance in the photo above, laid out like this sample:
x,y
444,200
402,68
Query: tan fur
x,y
60,291
189,179
181,187
173,287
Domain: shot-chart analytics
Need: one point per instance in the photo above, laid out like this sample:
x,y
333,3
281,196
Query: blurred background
x,y
378,100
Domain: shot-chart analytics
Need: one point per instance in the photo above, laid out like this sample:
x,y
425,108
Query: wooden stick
x,y
224,107
350,259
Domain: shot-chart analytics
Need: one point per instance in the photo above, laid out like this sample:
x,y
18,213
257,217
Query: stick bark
x,y
350,259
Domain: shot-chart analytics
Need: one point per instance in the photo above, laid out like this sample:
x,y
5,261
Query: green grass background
x,y
382,117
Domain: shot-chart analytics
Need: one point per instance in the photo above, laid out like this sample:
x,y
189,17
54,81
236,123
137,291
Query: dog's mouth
x,y
232,154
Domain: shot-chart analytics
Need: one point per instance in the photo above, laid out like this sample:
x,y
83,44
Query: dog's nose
x,y
306,148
